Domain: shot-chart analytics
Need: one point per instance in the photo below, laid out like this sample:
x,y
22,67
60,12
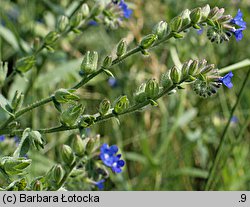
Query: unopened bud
x,y
51,37
152,88
58,173
166,81
78,146
175,75
104,107
70,116
67,155
37,139
207,69
63,23
89,63
121,48
160,29
225,19
193,68
87,120
17,101
121,104
25,64
205,12
148,41
195,15
98,8
66,96
140,97
176,24
85,10
107,62
185,15
37,185
76,20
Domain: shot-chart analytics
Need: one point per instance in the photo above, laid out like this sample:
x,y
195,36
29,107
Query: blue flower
x,y
110,159
126,11
112,82
226,80
99,184
2,138
240,25
93,23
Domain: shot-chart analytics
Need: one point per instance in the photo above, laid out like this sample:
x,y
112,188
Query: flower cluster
x,y
110,159
113,14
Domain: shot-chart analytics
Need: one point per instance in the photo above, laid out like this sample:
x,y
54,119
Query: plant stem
x,y
100,118
26,109
213,173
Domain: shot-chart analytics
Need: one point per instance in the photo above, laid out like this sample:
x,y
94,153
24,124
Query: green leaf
x,y
5,105
24,144
108,73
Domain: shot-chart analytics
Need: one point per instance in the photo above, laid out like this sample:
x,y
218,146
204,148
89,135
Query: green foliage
x,y
44,47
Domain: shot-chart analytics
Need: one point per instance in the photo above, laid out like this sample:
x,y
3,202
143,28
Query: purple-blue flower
x,y
110,159
126,11
226,80
112,82
240,25
2,138
99,184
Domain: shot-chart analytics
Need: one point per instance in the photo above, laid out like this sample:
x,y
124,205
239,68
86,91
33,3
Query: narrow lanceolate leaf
x,y
5,105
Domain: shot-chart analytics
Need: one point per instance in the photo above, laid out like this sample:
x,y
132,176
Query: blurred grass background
x,y
170,147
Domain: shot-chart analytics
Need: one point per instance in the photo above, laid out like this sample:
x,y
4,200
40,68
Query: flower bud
x,y
85,10
78,146
104,107
90,145
121,104
25,64
121,48
3,72
58,173
175,75
98,8
67,155
76,20
185,69
89,63
17,101
87,121
63,23
205,12
14,165
36,139
225,19
148,41
193,68
140,97
166,81
66,96
207,69
71,115
216,13
160,29
107,62
176,24
51,37
195,15
36,185
185,16
151,88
